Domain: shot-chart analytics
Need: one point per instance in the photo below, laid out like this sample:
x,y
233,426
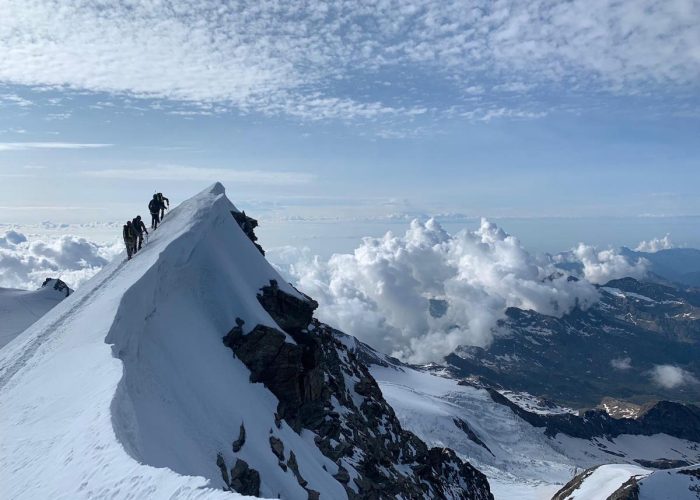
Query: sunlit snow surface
x,y
522,462
124,389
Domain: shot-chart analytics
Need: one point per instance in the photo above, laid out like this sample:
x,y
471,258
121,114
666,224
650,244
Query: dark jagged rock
x,y
675,419
464,427
628,491
292,314
322,386
221,464
294,467
694,472
277,447
238,443
245,480
575,483
290,369
248,225
342,475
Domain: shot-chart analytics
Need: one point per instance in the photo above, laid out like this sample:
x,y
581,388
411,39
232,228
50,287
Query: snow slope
x,y
600,483
605,480
519,460
125,390
21,308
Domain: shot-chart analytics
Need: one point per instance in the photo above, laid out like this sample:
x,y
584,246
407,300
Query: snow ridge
x,y
78,408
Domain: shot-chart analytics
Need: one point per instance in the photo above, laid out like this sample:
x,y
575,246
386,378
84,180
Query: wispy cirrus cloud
x,y
313,60
188,173
24,146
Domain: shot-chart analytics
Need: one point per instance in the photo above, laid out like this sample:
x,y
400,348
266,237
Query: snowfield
x,y
519,460
674,484
124,389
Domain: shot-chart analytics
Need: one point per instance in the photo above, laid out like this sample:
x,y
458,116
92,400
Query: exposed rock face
x,y
238,443
573,485
248,225
674,419
662,463
464,427
675,483
628,491
245,480
277,448
291,314
322,386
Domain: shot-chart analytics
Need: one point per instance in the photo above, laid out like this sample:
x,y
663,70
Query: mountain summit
x,y
195,371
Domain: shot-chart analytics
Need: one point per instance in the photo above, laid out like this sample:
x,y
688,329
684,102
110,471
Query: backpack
x,y
154,206
128,232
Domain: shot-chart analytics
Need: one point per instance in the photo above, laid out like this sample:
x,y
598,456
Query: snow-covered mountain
x,y
195,371
617,348
527,450
21,308
627,482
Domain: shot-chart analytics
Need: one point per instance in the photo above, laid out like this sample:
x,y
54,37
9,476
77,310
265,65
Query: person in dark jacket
x,y
163,201
140,229
154,208
129,234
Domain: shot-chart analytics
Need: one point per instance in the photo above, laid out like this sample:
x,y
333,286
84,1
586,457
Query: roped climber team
x,y
134,230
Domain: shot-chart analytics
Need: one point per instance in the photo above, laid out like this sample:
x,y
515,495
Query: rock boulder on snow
x,y
245,480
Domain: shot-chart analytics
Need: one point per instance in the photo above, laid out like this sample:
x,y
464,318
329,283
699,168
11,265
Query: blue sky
x,y
352,109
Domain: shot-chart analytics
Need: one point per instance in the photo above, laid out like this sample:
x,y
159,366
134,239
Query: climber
x,y
154,208
163,200
140,228
129,234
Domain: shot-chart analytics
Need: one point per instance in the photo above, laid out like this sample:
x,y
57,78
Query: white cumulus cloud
x,y
25,262
382,292
621,363
656,244
671,376
601,266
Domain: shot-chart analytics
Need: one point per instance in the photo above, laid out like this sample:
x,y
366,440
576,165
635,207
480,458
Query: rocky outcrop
x,y
291,314
248,225
674,419
464,427
245,480
628,491
322,385
661,463
57,285
238,443
569,488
